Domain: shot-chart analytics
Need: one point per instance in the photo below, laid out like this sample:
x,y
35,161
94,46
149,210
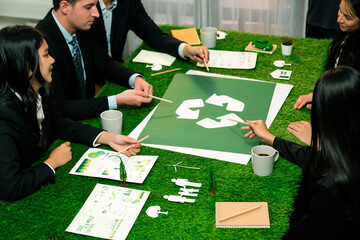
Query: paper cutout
x,y
221,35
177,165
185,183
224,121
184,110
154,211
180,199
281,63
232,104
146,56
155,67
184,191
281,74
231,60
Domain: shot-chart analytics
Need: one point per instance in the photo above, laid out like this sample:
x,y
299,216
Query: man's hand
x,y
132,98
198,54
141,85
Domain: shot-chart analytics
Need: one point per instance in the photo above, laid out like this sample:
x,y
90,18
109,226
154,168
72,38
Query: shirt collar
x,y
66,34
103,6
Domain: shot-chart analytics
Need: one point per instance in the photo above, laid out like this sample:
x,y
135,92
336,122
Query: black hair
x,y
352,52
18,58
56,3
335,119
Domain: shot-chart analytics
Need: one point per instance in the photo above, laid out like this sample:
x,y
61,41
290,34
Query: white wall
x,y
23,11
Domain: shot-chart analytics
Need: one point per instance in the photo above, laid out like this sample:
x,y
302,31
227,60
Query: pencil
x,y
171,70
123,150
207,68
240,213
162,99
234,120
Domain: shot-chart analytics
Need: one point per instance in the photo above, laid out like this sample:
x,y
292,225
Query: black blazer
x,y
319,211
19,147
131,15
98,66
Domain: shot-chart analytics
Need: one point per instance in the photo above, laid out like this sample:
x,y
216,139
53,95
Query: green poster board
x,y
165,128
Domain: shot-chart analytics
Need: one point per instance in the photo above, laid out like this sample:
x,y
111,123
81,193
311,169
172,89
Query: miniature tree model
x,y
123,174
212,180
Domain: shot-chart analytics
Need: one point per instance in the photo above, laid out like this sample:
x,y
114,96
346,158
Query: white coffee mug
x,y
208,36
263,158
111,121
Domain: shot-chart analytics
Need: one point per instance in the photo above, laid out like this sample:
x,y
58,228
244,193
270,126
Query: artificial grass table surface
x,y
48,212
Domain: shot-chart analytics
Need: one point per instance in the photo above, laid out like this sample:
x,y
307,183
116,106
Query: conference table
x,y
48,212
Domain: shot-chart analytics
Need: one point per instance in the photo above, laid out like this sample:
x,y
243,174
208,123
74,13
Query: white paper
x,y
231,60
109,212
101,163
146,56
281,92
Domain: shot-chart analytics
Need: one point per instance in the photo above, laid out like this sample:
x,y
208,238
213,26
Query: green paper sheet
x,y
165,128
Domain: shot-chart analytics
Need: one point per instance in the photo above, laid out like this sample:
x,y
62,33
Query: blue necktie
x,y
76,55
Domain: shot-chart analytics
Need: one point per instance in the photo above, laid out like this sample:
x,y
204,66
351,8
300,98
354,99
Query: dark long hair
x,y
18,58
351,51
335,119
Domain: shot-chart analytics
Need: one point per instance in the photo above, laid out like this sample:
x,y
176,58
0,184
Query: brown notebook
x,y
242,215
188,35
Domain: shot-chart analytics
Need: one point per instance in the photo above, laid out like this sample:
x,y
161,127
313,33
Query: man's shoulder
x,y
48,27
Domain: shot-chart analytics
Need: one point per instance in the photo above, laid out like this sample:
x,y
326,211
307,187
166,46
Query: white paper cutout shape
x,y
154,211
176,198
281,74
281,63
184,111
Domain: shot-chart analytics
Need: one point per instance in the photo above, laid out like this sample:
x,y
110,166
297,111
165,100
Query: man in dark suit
x,y
117,17
80,62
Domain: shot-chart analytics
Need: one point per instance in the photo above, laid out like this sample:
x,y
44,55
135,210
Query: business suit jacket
x,y
131,15
19,147
319,210
98,66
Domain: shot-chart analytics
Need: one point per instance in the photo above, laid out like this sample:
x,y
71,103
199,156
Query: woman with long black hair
x,y
30,121
344,50
327,205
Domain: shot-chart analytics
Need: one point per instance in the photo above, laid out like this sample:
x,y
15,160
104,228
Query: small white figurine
x,y
154,211
184,183
155,67
188,194
176,198
191,190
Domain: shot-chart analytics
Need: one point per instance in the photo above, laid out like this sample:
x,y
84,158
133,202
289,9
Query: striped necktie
x,y
76,55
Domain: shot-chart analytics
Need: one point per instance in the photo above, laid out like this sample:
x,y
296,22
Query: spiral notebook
x,y
242,215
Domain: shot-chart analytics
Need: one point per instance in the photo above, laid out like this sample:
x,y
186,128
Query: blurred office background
x,y
277,17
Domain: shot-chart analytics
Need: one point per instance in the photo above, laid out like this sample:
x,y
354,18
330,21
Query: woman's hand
x,y
60,156
119,142
259,128
304,100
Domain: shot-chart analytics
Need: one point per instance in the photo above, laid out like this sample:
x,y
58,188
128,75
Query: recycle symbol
x,y
184,111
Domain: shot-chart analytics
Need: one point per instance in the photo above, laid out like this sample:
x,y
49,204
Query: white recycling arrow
x,y
184,110
224,121
233,104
